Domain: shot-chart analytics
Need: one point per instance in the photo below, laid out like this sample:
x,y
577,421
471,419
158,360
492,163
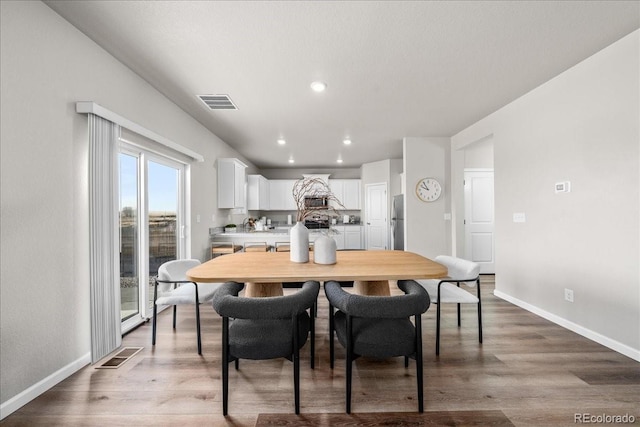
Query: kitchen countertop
x,y
273,233
282,231
279,231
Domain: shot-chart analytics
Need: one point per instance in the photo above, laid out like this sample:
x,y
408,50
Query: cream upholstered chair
x,y
448,290
378,326
172,287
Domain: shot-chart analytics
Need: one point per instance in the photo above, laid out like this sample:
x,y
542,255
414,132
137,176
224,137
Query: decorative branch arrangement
x,y
314,187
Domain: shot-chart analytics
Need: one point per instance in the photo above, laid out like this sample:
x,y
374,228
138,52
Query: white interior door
x,y
479,219
377,226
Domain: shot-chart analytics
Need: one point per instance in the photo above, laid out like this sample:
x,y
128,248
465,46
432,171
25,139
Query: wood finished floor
x,y
530,370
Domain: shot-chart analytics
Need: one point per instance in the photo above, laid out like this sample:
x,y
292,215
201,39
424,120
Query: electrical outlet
x,y
563,187
568,295
198,219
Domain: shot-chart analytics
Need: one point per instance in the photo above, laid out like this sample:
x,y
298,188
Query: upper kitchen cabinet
x,y
320,178
281,195
257,193
231,184
347,191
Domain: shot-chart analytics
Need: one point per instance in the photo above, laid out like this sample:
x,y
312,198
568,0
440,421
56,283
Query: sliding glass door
x,y
163,228
152,212
129,236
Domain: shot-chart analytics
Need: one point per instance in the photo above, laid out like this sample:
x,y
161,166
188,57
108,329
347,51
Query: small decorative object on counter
x,y
230,228
299,241
324,250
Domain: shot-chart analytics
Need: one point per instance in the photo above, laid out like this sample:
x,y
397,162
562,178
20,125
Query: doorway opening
x,y
479,209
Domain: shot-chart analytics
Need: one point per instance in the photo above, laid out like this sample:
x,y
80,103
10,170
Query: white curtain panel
x,y
103,222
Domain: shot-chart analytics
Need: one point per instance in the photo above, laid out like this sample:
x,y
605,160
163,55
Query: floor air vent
x,y
116,361
218,102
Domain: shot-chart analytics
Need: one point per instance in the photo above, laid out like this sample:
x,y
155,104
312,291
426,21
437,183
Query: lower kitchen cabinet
x,y
353,237
348,237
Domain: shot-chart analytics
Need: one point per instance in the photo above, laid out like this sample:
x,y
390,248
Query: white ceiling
x,y
393,69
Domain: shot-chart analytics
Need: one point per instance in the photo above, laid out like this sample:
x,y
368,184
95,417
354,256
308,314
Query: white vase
x,y
299,241
324,250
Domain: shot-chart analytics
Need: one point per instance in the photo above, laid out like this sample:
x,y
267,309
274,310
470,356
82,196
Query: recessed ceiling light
x,y
291,161
318,86
281,142
346,141
339,160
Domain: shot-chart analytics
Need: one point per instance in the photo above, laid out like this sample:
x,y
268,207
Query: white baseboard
x,y
580,330
26,396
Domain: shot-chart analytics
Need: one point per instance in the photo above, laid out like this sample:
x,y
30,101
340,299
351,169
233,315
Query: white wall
x,y
479,155
395,170
582,126
46,66
427,232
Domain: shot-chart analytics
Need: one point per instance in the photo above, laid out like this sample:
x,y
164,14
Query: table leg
x,y
372,287
257,289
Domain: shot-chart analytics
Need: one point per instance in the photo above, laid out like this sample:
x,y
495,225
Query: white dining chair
x,y
172,287
448,290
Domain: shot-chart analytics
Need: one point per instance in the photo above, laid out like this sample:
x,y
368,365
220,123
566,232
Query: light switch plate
x,y
519,217
447,217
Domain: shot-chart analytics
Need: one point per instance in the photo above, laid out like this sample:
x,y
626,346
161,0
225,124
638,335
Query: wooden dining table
x,y
264,272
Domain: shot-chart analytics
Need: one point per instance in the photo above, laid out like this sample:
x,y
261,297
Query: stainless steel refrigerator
x,y
397,222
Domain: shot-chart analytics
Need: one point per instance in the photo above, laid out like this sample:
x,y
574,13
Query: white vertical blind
x,y
104,267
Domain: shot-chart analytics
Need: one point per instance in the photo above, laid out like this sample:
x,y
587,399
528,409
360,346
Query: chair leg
x,y
438,330
155,312
237,364
349,365
175,308
479,312
225,365
419,371
459,316
296,366
313,310
331,328
198,320
153,334
198,328
406,361
296,381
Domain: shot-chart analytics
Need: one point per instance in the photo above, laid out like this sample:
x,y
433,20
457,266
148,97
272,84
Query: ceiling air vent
x,y
218,102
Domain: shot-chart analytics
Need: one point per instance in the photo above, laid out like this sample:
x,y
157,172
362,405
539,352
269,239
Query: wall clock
x,y
428,189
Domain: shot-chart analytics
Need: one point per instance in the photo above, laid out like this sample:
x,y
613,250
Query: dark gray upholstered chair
x,y
264,328
378,327
172,287
448,290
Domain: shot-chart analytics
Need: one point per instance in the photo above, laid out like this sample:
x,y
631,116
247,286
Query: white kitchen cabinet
x,y
257,193
281,195
348,237
353,237
347,191
339,237
231,184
